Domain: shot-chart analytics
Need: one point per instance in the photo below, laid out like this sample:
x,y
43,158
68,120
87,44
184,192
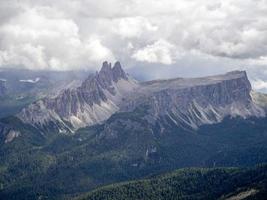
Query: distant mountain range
x,y
110,128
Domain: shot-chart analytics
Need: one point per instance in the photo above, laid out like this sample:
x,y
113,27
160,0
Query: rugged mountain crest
x,y
193,102
187,102
93,102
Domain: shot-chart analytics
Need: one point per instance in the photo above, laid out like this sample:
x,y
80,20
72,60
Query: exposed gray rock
x,y
197,101
93,102
118,72
8,133
12,134
188,102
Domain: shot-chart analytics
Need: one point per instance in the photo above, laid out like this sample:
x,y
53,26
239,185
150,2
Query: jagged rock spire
x,y
109,74
118,72
105,67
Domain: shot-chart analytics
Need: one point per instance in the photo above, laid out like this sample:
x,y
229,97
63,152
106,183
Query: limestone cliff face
x,y
189,102
196,101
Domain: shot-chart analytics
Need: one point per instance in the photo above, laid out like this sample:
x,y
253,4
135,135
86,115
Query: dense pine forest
x,y
194,183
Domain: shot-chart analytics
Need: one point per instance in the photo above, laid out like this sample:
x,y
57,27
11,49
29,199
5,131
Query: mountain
x,y
94,101
218,183
153,127
21,87
193,102
189,102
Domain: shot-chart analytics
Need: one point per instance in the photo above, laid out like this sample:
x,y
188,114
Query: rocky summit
x,y
192,102
188,102
94,101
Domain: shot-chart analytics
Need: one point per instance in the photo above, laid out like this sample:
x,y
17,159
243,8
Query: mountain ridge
x,y
203,100
189,102
132,144
85,105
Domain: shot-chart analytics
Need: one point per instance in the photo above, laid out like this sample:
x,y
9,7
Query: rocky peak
x,y
106,77
118,72
187,102
105,66
94,101
107,74
193,102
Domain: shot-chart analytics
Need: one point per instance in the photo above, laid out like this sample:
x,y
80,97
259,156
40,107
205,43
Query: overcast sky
x,y
152,38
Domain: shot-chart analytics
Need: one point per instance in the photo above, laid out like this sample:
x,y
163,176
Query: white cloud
x,y
34,41
95,51
68,34
158,52
261,61
131,27
26,54
259,84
